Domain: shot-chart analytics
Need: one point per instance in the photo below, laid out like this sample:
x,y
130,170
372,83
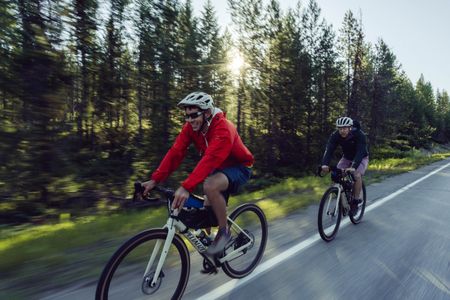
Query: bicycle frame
x,y
175,226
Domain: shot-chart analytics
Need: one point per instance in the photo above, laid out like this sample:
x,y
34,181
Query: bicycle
x,y
139,267
335,203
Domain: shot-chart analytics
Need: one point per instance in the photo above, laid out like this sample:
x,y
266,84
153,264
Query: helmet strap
x,y
206,123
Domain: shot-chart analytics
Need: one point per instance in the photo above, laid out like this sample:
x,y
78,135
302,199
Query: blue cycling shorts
x,y
237,176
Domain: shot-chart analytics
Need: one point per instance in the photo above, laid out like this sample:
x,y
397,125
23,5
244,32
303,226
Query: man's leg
x,y
359,172
357,187
213,187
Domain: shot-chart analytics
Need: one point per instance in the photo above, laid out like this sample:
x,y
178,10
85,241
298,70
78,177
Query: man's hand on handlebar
x,y
148,186
325,169
350,170
180,196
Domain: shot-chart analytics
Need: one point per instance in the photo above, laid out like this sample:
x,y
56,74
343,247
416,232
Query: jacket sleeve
x,y
361,149
331,146
218,150
174,156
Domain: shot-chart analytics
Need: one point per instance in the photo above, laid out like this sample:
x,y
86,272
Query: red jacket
x,y
221,147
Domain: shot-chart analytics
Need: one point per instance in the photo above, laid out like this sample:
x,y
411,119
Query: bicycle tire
x,y
334,219
104,283
361,208
227,267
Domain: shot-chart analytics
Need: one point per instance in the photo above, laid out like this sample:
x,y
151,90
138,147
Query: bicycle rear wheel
x,y
249,226
329,214
356,218
124,278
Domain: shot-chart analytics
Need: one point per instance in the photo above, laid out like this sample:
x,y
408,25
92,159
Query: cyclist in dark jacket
x,y
356,156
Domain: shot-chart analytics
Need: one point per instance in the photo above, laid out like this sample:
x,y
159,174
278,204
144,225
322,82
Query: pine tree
x,y
8,41
85,28
270,87
41,82
289,90
114,81
425,94
147,74
168,61
214,76
443,116
330,86
383,111
188,39
247,17
311,28
353,51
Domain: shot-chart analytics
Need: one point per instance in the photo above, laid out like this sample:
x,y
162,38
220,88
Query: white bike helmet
x,y
344,122
199,99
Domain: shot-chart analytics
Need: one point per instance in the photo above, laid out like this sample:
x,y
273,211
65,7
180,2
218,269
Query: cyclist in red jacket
x,y
225,162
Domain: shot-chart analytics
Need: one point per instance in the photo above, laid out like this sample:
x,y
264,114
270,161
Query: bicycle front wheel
x,y
357,217
129,275
249,237
329,214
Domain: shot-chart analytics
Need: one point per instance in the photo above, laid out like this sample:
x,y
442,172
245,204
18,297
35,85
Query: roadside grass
x,y
38,258
382,168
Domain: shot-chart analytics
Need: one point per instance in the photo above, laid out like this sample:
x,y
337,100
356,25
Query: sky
x,y
417,31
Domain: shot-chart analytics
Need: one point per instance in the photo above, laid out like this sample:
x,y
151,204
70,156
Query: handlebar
x,y
139,192
334,169
192,202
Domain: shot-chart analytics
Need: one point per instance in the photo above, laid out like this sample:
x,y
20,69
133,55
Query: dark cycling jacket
x,y
221,147
354,147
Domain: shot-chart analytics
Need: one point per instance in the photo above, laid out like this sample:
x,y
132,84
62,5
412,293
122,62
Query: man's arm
x,y
174,156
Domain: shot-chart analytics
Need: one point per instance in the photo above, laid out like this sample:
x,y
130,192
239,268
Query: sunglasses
x,y
193,115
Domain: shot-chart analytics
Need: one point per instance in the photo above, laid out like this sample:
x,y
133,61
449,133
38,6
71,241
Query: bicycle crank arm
x,y
235,254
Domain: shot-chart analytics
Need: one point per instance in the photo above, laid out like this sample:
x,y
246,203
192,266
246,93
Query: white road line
x,y
267,265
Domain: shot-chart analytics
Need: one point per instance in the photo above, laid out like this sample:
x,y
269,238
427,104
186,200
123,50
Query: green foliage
x,y
57,248
88,106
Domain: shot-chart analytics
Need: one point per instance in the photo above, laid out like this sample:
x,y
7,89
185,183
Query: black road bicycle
x,y
335,203
155,263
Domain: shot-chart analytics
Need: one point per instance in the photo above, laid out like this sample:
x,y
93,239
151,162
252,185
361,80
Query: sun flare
x,y
236,62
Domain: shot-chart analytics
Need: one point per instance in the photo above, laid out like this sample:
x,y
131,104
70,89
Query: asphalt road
x,y
401,250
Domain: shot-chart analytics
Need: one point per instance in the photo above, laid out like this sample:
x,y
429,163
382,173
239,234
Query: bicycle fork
x,y
339,200
170,234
